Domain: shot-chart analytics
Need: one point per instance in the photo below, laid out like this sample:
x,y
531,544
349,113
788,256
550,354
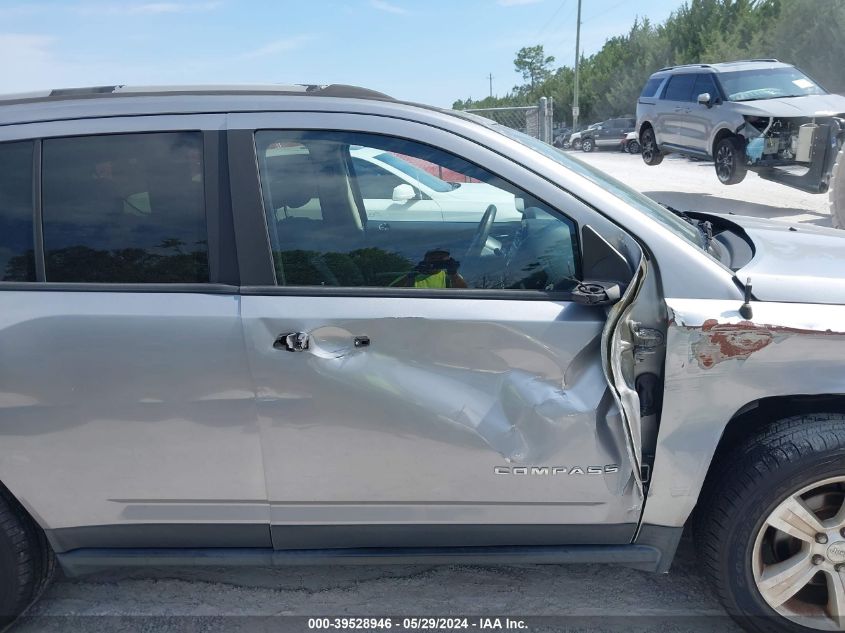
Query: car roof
x,y
121,100
722,67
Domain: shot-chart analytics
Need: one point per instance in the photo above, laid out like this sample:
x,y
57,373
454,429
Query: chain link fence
x,y
533,120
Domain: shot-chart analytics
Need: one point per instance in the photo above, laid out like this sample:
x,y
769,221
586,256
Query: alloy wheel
x,y
725,163
798,558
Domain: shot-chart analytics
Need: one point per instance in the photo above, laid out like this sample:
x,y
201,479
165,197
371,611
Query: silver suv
x,y
760,115
217,350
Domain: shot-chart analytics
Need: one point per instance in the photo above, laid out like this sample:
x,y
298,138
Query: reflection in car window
x,y
637,200
426,178
768,83
375,182
17,262
125,208
454,241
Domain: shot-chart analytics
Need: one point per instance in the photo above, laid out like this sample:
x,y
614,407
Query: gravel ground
x,y
552,598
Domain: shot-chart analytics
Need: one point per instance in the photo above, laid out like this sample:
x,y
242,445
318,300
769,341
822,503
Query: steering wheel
x,y
482,232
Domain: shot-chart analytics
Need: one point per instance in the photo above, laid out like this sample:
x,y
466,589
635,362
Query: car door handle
x,y
292,342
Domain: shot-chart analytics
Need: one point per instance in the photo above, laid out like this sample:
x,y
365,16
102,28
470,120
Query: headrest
x,y
292,181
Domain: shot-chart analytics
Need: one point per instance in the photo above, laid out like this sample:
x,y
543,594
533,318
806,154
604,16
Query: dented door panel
x,y
716,363
458,411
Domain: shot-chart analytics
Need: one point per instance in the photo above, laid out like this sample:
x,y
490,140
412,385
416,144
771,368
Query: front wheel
x,y
576,144
633,146
770,527
730,161
587,145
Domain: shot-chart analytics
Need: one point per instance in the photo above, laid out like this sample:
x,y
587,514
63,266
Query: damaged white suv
x,y
760,115
216,348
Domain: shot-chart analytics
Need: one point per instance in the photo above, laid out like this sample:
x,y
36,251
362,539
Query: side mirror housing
x,y
404,193
705,99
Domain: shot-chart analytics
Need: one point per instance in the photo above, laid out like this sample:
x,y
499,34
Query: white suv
x,y
760,115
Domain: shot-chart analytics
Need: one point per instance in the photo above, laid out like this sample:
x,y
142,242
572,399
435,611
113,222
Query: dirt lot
x,y
592,598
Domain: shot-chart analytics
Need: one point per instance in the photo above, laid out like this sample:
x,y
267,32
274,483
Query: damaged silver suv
x,y
216,348
760,115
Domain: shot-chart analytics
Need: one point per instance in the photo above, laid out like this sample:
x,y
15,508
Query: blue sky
x,y
433,51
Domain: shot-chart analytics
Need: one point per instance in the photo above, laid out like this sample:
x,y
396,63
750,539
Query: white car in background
x,y
395,190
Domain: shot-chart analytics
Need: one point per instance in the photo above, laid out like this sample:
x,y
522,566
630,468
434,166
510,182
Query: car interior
x,y
320,233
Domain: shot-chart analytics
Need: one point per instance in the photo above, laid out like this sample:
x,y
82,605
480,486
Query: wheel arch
x,y
717,137
753,417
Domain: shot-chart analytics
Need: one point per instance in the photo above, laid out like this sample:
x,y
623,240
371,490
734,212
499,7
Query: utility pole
x,y
575,109
490,77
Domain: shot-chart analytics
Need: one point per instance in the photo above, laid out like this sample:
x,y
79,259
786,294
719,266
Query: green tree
x,y
533,63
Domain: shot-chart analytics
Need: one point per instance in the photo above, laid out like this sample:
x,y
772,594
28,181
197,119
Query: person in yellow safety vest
x,y
436,270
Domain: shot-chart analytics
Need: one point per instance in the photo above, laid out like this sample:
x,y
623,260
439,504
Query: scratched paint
x,y
720,342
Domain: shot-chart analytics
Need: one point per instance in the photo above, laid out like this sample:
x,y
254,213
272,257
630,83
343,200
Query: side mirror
x,y
705,99
606,271
403,193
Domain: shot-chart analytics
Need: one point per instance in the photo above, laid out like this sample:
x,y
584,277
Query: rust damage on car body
x,y
718,342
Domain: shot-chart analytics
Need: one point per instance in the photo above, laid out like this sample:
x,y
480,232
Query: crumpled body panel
x,y
716,363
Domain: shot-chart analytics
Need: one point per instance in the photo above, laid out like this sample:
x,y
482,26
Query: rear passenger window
x,y
17,261
651,86
125,208
680,88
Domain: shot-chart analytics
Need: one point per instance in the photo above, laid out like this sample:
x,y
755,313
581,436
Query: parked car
x,y
395,190
561,137
215,352
608,133
758,115
575,139
631,143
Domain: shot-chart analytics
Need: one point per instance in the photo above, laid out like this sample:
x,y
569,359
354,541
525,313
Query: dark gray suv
x,y
231,334
610,133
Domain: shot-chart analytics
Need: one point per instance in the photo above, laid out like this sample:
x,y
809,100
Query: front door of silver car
x,y
698,125
429,385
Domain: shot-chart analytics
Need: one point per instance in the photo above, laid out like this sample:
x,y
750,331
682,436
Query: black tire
x,y
648,148
27,563
633,146
576,144
587,145
749,484
730,161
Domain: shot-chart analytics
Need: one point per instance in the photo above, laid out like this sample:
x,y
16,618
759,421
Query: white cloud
x,y
173,7
516,3
277,46
382,5
148,8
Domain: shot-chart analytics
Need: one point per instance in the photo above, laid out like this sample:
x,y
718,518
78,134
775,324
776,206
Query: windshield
x,y
768,83
421,176
637,200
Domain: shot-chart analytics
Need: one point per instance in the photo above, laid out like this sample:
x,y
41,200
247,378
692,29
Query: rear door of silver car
x,y
414,390
128,415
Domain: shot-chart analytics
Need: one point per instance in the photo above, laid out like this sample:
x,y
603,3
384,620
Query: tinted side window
x,y
705,83
411,242
17,262
125,208
651,86
680,88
